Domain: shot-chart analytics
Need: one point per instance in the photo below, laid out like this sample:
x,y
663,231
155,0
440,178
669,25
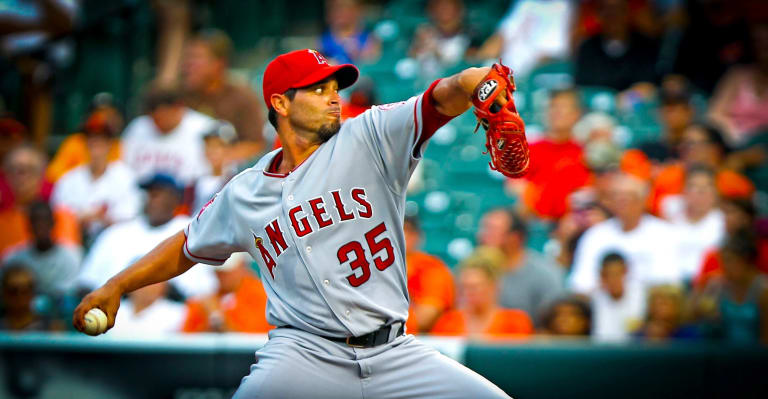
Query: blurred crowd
x,y
660,239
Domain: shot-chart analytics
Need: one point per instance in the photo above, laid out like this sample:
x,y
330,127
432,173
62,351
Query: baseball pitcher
x,y
323,217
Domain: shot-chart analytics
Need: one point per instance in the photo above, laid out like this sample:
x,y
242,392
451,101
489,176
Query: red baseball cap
x,y
302,68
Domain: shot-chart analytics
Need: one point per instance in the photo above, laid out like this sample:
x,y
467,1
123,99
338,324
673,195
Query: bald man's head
x,y
628,198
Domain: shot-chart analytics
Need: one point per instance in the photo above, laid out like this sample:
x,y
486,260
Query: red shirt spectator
x,y
557,167
556,170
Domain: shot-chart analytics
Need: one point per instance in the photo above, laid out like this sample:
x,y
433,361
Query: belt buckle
x,y
353,345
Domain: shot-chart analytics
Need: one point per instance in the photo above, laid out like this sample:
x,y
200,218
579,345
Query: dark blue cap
x,y
162,180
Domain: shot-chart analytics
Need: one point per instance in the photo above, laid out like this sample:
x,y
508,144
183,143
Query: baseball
x,y
95,322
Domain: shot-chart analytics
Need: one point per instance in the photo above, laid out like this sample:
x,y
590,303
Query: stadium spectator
x,y
55,266
430,282
596,126
146,311
739,218
238,304
665,316
23,176
478,313
701,144
218,143
102,118
588,22
29,30
122,243
566,252
168,139
715,39
618,57
584,212
603,145
98,192
648,243
604,162
557,161
740,101
752,160
529,281
18,292
605,157
23,168
12,134
617,307
568,317
740,295
532,32
675,114
209,90
346,40
444,40
694,215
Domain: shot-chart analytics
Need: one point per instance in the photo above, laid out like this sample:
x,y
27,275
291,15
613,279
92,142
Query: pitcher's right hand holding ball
x,y
106,298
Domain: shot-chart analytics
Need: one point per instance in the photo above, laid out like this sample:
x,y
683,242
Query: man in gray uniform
x,y
323,217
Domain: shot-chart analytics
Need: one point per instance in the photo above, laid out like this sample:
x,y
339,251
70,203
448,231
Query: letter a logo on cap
x,y
319,57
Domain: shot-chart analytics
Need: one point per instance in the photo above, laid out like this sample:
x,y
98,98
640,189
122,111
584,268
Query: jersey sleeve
x,y
396,134
211,236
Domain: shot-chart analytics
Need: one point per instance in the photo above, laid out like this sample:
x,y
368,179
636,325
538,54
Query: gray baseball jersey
x,y
328,236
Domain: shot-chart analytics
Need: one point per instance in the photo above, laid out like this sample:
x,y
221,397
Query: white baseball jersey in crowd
x,y
179,153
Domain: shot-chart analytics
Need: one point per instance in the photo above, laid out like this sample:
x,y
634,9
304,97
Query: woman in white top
x,y
699,223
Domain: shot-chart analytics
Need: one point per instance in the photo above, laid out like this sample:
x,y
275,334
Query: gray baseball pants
x,y
296,364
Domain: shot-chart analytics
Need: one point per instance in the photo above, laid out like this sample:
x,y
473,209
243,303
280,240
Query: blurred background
x,y
629,262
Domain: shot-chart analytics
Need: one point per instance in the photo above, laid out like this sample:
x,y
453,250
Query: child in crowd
x,y
618,307
665,317
570,316
19,289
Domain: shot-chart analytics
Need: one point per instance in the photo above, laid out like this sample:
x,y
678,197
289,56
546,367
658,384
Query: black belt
x,y
374,338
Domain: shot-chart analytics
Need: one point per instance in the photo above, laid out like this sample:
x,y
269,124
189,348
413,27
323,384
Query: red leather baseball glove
x,y
505,130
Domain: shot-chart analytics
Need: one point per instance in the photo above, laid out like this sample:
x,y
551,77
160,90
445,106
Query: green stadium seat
x,y
598,98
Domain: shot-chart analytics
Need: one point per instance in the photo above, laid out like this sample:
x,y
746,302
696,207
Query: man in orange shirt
x,y
238,306
430,282
479,314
